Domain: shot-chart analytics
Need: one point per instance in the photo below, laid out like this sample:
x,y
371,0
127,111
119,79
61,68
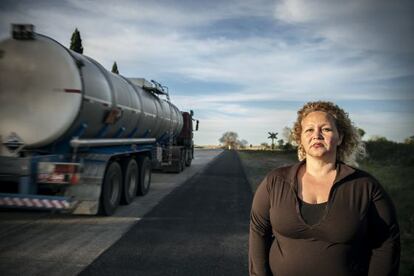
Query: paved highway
x,y
193,223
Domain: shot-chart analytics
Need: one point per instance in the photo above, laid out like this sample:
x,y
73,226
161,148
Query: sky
x,y
248,66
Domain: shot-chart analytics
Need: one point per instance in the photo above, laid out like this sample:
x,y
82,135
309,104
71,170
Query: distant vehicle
x,y
76,137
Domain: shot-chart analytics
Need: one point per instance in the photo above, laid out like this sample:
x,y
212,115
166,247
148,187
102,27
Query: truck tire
x,y
144,183
111,189
179,167
183,159
188,158
131,179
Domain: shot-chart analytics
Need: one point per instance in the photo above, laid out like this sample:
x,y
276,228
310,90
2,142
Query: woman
x,y
321,216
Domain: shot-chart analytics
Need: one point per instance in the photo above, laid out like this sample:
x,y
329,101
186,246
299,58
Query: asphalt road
x,y
45,243
201,228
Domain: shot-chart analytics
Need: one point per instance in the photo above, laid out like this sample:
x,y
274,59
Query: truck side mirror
x,y
197,125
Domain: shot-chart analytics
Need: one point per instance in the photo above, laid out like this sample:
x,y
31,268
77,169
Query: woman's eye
x,y
308,130
327,129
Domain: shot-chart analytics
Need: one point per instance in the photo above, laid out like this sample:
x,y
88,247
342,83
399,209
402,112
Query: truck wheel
x,y
183,159
144,183
111,189
180,164
188,158
130,186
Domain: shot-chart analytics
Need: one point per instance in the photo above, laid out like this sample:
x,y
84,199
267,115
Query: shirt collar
x,y
343,171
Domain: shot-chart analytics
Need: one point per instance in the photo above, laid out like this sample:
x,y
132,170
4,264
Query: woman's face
x,y
320,136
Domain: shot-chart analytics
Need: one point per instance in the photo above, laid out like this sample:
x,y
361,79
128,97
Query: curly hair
x,y
351,147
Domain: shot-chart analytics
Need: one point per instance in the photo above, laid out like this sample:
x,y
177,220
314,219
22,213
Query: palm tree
x,y
273,136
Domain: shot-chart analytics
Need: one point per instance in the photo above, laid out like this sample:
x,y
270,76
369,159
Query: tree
x,y
280,143
76,42
229,139
273,136
378,138
264,145
409,140
361,132
243,143
115,68
287,134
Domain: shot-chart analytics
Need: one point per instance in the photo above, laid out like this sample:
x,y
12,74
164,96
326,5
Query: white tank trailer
x,y
77,137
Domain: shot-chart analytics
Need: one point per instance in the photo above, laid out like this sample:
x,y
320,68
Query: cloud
x,y
167,15
253,126
395,126
155,39
265,51
369,24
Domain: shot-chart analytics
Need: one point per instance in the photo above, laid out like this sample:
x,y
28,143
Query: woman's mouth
x,y
317,145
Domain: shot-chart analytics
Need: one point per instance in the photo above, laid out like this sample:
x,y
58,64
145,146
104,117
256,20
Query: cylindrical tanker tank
x,y
49,93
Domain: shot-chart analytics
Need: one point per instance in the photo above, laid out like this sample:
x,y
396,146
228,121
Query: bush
x,y
288,147
387,152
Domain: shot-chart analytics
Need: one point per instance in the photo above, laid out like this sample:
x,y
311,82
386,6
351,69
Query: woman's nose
x,y
317,134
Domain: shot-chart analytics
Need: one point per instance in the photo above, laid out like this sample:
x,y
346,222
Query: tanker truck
x,y
76,137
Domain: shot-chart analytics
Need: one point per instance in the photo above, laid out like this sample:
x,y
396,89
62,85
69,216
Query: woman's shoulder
x,y
360,174
362,178
367,184
285,173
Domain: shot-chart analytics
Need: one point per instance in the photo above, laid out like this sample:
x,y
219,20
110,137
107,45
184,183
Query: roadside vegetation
x,y
391,163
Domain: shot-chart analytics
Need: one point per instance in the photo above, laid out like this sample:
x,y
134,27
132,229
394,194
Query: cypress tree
x,y
76,42
115,68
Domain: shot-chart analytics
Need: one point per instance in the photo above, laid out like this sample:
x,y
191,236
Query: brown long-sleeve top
x,y
358,233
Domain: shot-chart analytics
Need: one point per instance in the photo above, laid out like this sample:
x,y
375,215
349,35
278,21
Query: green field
x,y
397,179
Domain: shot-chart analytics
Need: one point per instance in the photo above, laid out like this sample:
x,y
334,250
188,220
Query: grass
x,y
397,179
258,163
399,183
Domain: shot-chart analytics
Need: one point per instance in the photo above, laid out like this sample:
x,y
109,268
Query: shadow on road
x,y
201,228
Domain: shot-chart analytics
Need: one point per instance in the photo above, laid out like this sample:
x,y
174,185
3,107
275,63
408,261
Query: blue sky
x,y
248,66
